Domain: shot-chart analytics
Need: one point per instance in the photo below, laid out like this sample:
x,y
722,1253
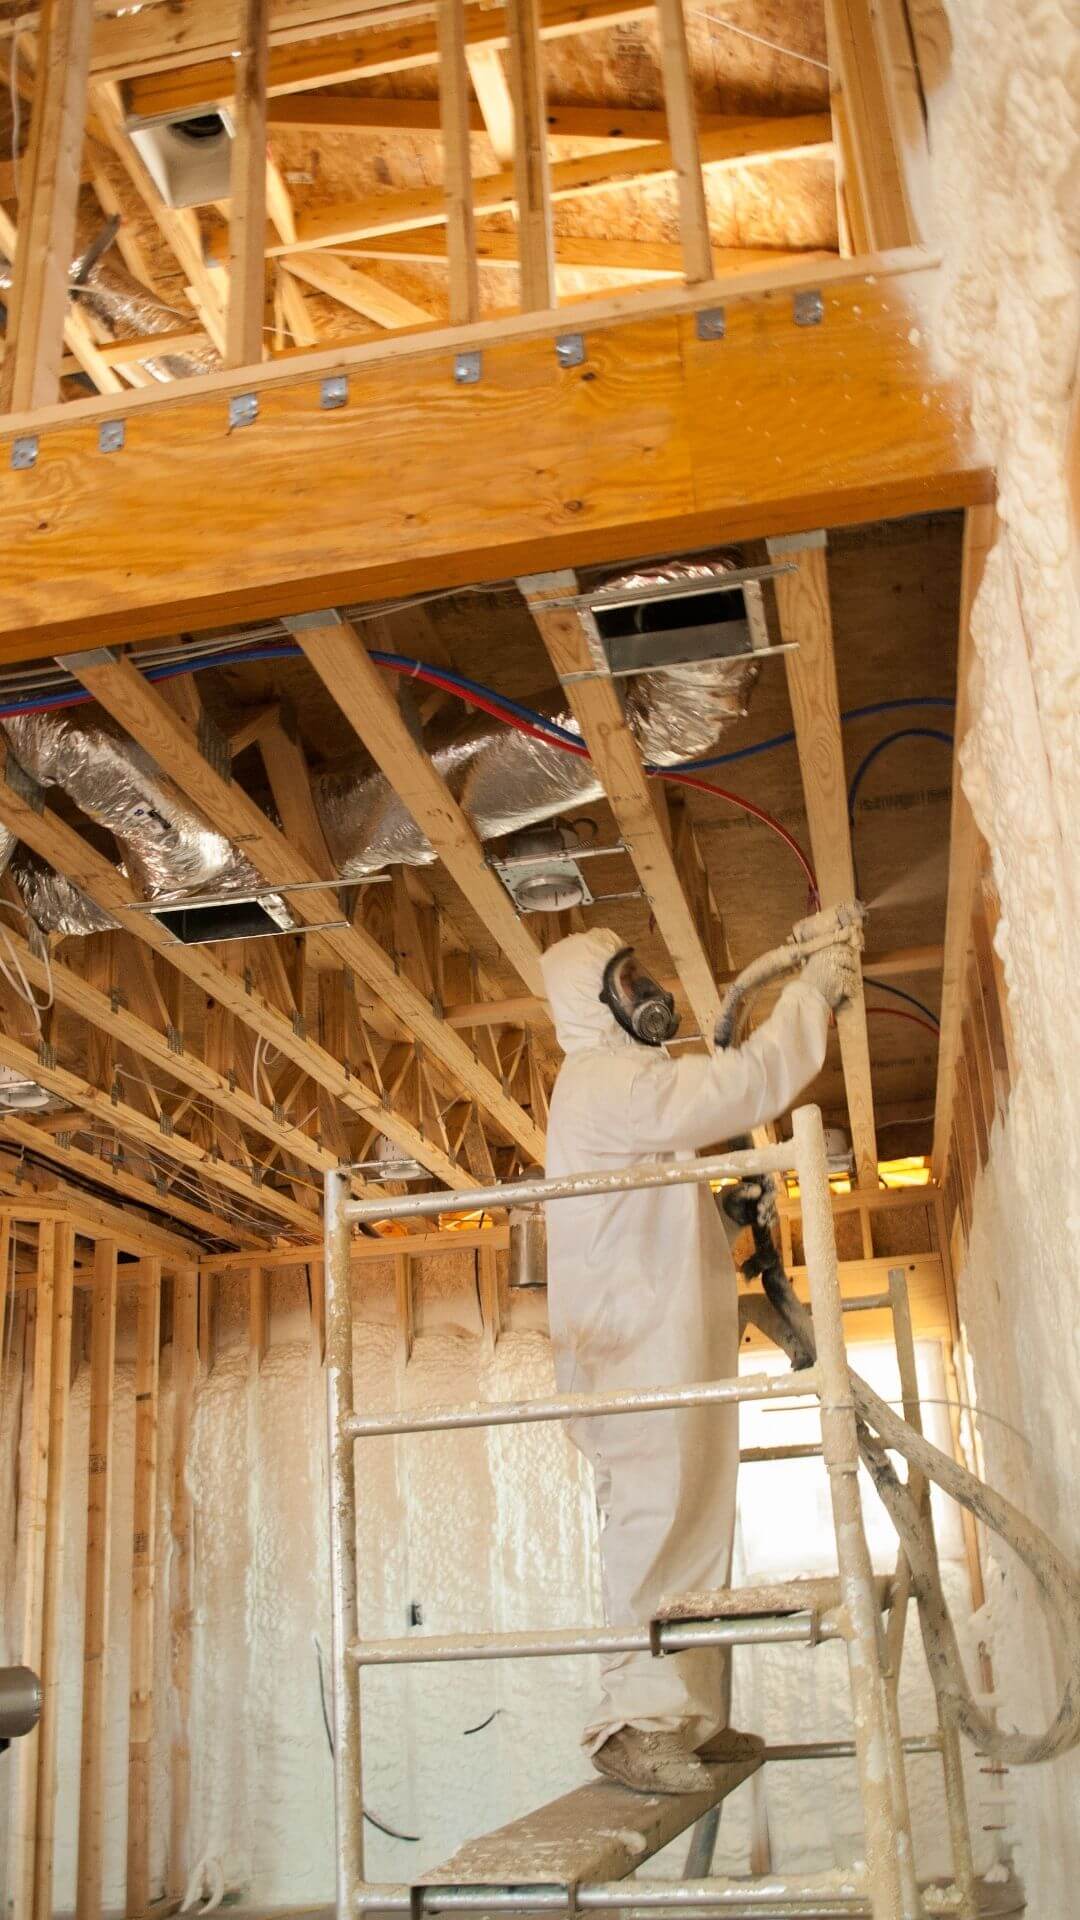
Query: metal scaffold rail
x,y
576,1852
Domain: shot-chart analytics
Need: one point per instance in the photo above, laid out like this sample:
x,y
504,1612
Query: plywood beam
x,y
247,210
802,600
531,171
96,1609
341,660
464,285
137,705
849,421
143,1575
638,805
395,48
754,141
46,240
964,849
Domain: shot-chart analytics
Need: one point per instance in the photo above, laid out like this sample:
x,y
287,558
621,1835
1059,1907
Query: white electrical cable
x,y
18,982
759,40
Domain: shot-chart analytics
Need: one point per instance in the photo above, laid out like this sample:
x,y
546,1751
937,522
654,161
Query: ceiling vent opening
x,y
190,160
197,924
681,628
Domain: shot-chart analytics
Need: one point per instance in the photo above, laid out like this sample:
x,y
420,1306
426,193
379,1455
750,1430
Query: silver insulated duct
x,y
505,781
168,850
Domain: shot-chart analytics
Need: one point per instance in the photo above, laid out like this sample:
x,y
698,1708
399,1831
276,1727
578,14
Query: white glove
x,y
834,973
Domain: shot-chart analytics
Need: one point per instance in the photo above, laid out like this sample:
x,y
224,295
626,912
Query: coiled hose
x,y
879,1428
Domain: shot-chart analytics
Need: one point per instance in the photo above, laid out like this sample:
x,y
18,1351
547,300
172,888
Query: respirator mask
x,y
638,1002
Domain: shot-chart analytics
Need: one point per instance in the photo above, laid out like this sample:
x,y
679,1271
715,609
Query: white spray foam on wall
x,y
1006,130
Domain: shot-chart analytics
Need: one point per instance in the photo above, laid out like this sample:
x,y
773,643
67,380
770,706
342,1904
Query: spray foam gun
x,y
752,1203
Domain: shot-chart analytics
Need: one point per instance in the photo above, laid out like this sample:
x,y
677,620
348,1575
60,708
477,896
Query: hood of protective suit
x,y
573,971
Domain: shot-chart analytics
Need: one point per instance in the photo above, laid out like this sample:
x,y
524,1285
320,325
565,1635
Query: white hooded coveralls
x,y
642,1292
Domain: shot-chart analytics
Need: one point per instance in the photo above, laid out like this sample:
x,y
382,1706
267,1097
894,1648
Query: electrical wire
x,y
774,46
526,719
867,761
849,715
898,1013
883,986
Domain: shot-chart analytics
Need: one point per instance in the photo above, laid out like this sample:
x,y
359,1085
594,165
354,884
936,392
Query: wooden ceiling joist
x,y
66,850
174,746
834,429
802,599
133,1124
105,1014
75,1159
639,808
341,660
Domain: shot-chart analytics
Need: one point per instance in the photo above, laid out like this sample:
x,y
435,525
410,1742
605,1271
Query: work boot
x,y
652,1762
728,1747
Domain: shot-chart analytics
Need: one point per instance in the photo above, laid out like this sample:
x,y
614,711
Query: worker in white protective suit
x,y
642,1292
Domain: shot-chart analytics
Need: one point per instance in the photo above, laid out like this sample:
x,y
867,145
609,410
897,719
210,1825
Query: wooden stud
x,y
98,1550
964,853
856,72
247,213
532,178
46,240
181,1601
143,1565
802,600
683,139
970,1084
48,1726
977,1043
341,660
464,285
33,1508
